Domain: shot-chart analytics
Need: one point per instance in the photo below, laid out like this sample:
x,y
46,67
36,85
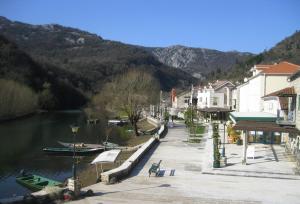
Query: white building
x,y
182,100
265,80
218,94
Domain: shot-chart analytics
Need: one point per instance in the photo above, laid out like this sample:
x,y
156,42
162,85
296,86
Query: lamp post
x,y
74,129
73,183
223,148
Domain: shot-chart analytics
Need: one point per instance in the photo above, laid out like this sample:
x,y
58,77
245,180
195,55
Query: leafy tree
x,y
189,115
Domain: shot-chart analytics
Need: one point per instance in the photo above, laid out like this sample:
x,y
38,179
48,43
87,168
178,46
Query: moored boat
x,y
109,145
36,182
80,145
68,151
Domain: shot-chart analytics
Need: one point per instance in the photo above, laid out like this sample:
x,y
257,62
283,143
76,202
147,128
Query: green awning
x,y
252,116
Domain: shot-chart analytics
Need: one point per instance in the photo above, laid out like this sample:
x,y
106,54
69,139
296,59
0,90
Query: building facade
x,y
265,80
218,94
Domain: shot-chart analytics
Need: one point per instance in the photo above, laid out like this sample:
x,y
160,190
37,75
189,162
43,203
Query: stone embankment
x,y
122,171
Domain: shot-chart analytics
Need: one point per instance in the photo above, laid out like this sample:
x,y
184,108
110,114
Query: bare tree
x,y
130,93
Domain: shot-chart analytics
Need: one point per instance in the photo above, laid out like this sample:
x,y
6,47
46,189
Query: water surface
x,y
22,142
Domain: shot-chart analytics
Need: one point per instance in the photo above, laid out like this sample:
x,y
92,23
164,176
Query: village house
x,y
287,103
265,80
217,94
182,100
267,104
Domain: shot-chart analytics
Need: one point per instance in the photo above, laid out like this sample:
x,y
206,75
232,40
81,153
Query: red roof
x,y
281,68
286,92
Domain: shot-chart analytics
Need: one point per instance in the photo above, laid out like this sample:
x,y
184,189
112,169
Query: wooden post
x,y
97,171
245,146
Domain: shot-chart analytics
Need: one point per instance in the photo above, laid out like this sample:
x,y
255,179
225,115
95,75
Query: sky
x,y
226,25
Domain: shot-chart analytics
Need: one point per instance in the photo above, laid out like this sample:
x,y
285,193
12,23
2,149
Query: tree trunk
x,y
135,128
134,125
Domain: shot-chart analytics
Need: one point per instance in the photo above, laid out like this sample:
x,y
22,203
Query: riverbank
x,y
88,175
17,117
45,130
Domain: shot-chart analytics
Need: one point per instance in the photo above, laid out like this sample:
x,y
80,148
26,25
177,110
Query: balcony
x,y
288,119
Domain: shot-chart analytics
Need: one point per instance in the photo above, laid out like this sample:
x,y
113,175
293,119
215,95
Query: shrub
x,y
16,99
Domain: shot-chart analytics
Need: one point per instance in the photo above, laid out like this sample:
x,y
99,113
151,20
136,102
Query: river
x,y
22,142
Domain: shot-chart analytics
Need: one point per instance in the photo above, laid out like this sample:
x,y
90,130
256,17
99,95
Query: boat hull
x,y
69,151
80,145
35,182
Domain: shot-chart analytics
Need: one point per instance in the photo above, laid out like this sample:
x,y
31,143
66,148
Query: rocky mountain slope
x,y
198,61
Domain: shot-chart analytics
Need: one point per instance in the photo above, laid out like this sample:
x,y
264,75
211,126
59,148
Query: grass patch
x,y
197,129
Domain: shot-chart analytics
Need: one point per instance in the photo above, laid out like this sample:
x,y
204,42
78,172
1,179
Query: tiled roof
x,y
220,83
281,68
289,91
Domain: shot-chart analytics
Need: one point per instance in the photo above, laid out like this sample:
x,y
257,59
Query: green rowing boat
x,y
35,182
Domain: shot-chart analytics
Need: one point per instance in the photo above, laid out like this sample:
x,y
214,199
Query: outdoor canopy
x,y
107,156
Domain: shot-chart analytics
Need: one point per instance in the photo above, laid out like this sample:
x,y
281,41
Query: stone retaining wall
x,y
123,170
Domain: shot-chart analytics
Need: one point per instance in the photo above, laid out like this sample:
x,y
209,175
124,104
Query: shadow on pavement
x,y
134,189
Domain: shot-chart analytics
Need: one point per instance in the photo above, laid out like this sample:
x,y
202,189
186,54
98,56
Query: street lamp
x,y
74,129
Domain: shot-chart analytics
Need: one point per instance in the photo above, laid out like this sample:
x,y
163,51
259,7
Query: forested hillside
x,y
286,50
87,55
46,81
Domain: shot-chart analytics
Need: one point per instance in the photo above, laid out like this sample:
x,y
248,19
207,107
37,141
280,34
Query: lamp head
x,y
74,128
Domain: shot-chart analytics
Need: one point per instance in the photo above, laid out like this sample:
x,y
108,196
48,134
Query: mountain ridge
x,y
197,61
193,61
88,55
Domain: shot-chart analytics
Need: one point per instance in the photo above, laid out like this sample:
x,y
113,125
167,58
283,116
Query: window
x,y
298,102
215,101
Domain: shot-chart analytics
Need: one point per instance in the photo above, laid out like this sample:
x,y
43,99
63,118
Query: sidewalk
x,y
270,161
181,180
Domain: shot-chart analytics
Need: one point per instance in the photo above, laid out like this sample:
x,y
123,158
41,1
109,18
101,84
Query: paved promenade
x,y
181,180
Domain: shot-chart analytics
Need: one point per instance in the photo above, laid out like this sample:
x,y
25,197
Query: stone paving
x,y
270,161
181,179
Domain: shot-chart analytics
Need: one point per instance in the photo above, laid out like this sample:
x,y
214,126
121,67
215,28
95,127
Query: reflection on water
x,y
22,142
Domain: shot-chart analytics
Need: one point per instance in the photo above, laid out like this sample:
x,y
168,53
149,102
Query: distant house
x,y
182,100
265,80
217,94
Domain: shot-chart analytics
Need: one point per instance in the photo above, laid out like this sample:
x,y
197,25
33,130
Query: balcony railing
x,y
289,119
